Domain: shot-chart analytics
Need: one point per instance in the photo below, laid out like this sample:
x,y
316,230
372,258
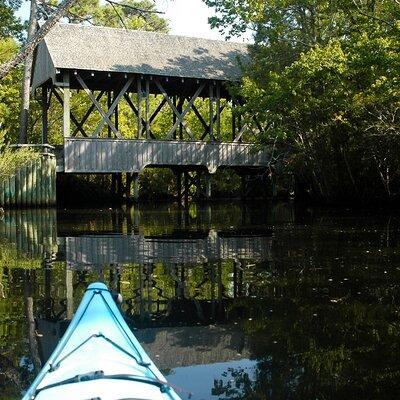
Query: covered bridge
x,y
138,76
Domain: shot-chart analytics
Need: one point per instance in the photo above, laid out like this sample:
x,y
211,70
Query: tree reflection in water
x,y
311,297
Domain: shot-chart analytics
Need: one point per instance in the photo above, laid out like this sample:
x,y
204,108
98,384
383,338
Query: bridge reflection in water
x,y
178,272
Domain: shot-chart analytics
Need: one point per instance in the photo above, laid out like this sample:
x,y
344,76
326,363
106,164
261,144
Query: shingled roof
x,y
93,48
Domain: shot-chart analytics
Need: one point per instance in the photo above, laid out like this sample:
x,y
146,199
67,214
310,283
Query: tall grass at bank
x,y
12,159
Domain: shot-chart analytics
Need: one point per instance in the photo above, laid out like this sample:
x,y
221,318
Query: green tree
x,y
9,93
9,24
324,77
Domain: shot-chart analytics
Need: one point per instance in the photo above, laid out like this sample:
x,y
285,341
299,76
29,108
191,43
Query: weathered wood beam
x,y
238,137
147,107
211,112
181,116
110,111
98,106
45,109
139,107
179,107
66,106
233,121
173,114
136,112
200,118
218,111
79,125
116,117
157,110
205,133
109,102
73,118
49,98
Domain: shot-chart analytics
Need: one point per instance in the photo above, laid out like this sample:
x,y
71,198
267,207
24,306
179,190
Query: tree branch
x,y
137,9
118,14
30,46
360,11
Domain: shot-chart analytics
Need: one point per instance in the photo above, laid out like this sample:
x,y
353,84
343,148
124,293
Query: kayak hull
x,y
99,357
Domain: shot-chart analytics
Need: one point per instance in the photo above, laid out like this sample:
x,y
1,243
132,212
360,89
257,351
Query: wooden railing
x,y
116,155
101,250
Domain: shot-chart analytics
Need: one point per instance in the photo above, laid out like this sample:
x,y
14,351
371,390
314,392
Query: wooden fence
x,y
33,185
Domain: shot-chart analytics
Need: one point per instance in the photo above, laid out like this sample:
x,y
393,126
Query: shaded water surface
x,y
230,301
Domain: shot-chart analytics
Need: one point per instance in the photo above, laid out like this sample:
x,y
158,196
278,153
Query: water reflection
x,y
238,302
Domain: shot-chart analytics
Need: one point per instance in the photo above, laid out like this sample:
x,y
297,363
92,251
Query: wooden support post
x,y
136,187
45,108
240,126
174,115
179,108
136,217
233,121
179,186
69,293
120,188
207,177
211,112
147,110
109,102
128,185
47,290
66,106
186,188
116,114
139,107
235,273
113,184
218,111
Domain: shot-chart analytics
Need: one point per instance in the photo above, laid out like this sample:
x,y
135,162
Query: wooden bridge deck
x,y
116,155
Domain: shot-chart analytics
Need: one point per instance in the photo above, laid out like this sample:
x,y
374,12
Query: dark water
x,y
232,302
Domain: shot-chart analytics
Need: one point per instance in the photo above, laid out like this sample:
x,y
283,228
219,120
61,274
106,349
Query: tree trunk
x,y
30,318
26,80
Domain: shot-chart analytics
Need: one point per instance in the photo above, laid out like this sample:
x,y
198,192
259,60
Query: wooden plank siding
x,y
102,250
113,155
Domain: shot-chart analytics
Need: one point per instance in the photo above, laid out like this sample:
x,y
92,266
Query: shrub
x,y
12,159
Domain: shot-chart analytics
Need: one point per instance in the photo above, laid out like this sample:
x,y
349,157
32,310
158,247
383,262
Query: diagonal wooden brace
x,y
179,116
79,125
240,133
87,115
98,106
113,106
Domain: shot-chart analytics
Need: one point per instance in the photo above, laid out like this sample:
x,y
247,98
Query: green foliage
x,y
132,14
157,182
324,76
11,258
9,93
11,160
9,24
